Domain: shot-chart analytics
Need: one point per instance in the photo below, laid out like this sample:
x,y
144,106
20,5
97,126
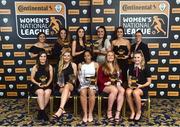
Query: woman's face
x,y
42,38
43,58
67,57
63,34
120,33
100,33
137,58
110,57
87,57
81,33
138,37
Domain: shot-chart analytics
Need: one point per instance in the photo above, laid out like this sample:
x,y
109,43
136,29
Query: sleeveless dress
x,y
123,63
79,58
41,76
87,70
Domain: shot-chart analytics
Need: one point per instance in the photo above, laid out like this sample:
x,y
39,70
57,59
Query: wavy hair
x,y
67,38
142,64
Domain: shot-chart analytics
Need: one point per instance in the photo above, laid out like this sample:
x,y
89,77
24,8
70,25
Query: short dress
x,y
40,75
141,76
87,70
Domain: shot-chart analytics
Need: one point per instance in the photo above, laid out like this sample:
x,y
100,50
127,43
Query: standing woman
x,y
63,42
41,77
109,81
121,48
67,72
40,46
88,85
78,45
140,79
102,45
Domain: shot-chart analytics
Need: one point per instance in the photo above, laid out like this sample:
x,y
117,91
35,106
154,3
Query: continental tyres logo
x,y
35,17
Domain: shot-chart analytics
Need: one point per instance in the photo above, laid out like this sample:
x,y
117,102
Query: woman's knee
x,y
40,92
129,92
114,91
136,93
121,91
83,93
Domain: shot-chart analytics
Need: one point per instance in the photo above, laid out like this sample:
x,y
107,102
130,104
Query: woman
x,y
78,46
121,48
63,42
88,81
41,77
67,72
109,81
40,46
139,80
102,45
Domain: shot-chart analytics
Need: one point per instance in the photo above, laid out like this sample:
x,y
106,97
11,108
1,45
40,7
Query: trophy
x,y
61,80
72,79
133,82
96,45
91,80
121,53
43,79
113,78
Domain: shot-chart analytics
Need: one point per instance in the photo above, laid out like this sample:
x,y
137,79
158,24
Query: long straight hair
x,y
105,34
39,63
67,38
142,63
77,36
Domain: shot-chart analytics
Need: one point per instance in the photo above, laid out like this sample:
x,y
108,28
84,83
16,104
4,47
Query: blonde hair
x,y
61,62
142,64
105,66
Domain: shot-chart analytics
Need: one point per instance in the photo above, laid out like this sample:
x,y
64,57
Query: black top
x,y
36,50
144,48
42,75
142,75
57,50
68,72
122,48
79,58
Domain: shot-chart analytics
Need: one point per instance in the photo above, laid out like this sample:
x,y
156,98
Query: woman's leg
x,y
83,99
129,92
66,91
40,98
91,94
112,91
137,97
47,95
120,100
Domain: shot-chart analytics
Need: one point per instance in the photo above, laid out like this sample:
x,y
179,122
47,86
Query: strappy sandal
x,y
110,119
119,119
58,117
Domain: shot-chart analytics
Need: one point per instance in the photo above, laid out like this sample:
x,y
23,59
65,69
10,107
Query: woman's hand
x,y
107,83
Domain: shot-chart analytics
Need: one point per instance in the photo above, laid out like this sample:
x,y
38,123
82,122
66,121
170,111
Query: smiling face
x,y
137,58
81,33
110,57
67,57
138,37
87,57
120,33
43,58
63,34
100,33
42,38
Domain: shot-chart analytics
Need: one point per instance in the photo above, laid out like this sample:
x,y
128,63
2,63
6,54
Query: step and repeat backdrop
x,y
21,20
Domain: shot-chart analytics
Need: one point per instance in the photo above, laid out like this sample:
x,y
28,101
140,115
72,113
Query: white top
x,y
88,70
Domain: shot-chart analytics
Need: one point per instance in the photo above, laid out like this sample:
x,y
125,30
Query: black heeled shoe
x,y
136,119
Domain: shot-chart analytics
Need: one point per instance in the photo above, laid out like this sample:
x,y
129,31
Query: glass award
x,y
133,82
43,79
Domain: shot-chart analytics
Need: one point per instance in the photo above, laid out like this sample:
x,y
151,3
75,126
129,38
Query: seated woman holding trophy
x,y
67,72
139,79
88,85
109,81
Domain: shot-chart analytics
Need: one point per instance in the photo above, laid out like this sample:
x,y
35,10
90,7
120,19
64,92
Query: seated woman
x,y
88,81
139,80
109,81
40,46
41,77
67,72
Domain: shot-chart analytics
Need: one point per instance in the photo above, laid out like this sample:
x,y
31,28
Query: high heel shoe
x,y
56,117
131,118
137,117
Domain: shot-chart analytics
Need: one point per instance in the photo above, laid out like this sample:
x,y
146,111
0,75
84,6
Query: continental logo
x,y
176,10
162,85
173,93
73,12
5,11
1,70
174,61
175,28
30,62
28,78
173,77
109,11
73,28
163,69
98,2
98,20
94,37
8,62
175,45
110,28
2,86
154,77
153,61
7,46
84,20
21,86
10,78
84,3
164,53
1,54
12,94
153,45
5,29
28,46
19,54
152,93
20,70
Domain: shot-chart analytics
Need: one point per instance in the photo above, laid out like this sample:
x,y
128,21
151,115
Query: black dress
x,y
79,58
141,76
40,75
36,50
123,63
